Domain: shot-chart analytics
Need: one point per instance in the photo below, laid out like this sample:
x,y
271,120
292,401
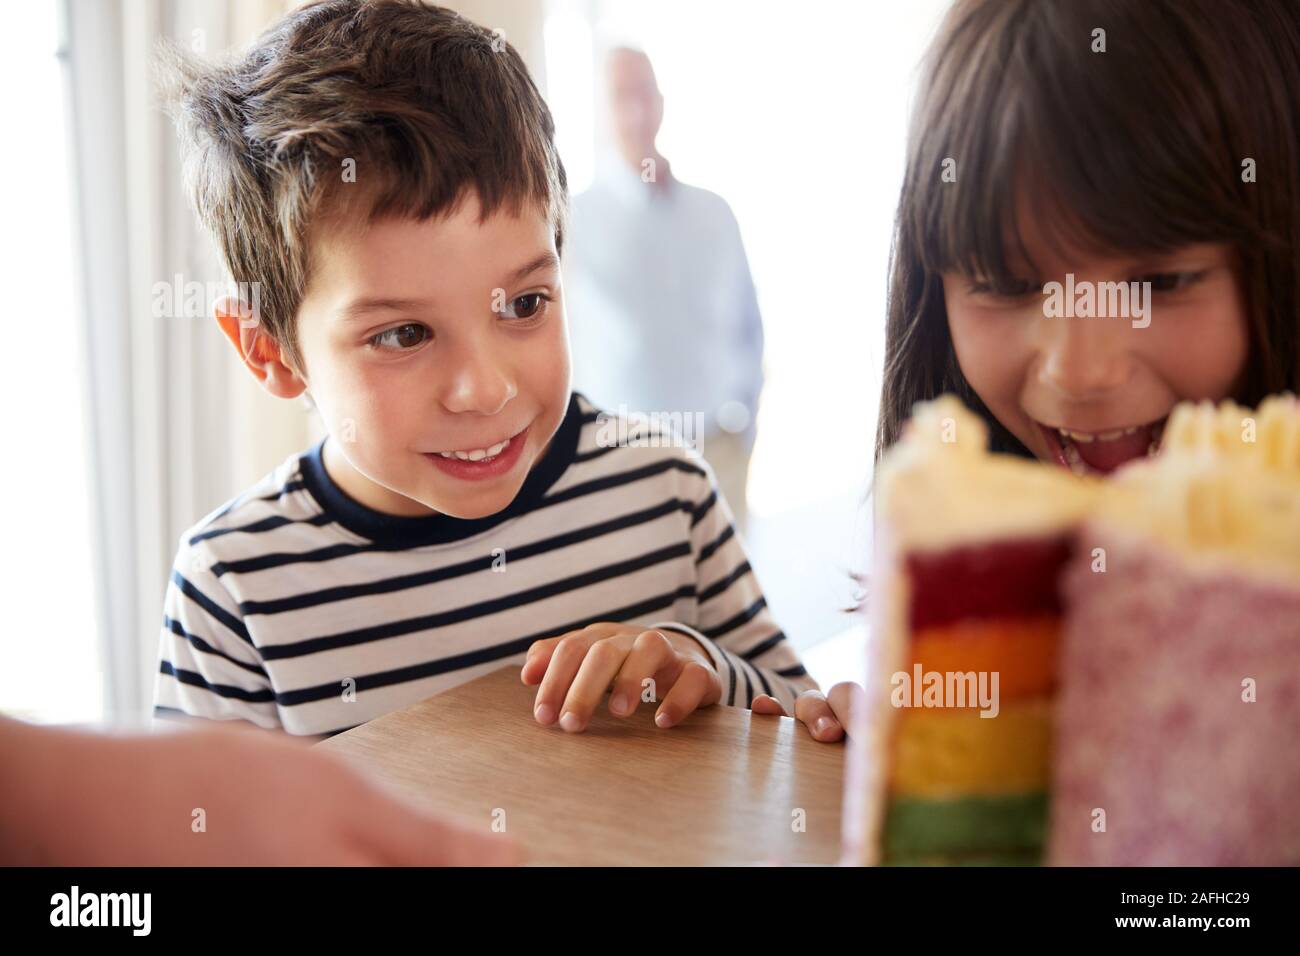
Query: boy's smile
x,y
476,464
437,355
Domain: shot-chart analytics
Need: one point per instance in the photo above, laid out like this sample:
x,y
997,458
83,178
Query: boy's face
x,y
1092,393
423,339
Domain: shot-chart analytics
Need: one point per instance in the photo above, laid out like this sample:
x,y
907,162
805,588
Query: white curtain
x,y
173,431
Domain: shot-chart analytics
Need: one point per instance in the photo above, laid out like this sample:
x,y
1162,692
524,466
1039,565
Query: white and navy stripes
x,y
294,606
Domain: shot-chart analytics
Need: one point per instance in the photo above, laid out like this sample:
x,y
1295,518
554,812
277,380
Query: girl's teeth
x,y
1081,467
1074,460
1086,437
478,454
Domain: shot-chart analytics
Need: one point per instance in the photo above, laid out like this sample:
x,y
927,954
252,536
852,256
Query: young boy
x,y
385,173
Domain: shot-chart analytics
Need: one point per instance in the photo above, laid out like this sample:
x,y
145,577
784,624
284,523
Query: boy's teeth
x,y
478,454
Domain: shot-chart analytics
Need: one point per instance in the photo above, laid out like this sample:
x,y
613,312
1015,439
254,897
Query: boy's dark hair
x,y
1136,149
426,104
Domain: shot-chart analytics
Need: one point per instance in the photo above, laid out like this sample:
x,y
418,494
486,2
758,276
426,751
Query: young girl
x,y
1094,144
1088,143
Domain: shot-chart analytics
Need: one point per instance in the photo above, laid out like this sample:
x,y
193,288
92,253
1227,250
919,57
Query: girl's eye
x,y
1009,289
401,338
1170,281
526,306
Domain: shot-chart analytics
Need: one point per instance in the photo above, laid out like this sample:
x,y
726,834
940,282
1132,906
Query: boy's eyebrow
x,y
547,260
358,308
362,306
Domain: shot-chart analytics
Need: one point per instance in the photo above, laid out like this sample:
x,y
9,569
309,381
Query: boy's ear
x,y
259,351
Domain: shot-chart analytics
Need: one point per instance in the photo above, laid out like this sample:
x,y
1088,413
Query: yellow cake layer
x,y
942,752
1021,650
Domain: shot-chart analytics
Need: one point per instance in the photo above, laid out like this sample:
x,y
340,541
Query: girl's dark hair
x,y
1137,149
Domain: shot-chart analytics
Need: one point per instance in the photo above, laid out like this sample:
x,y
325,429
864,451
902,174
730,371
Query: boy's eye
x,y
1170,281
402,337
526,306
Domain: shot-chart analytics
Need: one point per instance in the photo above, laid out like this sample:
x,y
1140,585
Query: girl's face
x,y
1091,393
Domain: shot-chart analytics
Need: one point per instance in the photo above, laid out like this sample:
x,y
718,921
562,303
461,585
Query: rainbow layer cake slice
x,y
1058,663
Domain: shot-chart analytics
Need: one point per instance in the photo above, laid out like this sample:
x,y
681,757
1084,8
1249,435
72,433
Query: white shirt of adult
x,y
662,309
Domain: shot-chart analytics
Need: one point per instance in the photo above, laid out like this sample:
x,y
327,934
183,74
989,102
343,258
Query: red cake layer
x,y
997,579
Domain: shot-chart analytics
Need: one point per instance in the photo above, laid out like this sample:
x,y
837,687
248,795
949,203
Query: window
x,y
49,649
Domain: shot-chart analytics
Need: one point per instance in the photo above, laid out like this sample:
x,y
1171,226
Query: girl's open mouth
x,y
1101,452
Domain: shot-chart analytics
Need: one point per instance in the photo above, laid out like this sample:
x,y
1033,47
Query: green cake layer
x,y
1023,858
966,826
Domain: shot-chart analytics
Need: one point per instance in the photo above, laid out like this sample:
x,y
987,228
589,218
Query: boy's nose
x,y
477,384
1083,358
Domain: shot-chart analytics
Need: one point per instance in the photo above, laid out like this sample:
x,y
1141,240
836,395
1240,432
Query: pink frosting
x,y
1151,725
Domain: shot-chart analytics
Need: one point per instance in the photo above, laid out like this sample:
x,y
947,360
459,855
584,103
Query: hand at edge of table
x,y
574,670
825,715
85,798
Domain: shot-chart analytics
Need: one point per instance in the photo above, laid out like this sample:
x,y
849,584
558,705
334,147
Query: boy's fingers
x,y
598,670
651,651
693,688
763,704
815,713
844,698
538,659
563,667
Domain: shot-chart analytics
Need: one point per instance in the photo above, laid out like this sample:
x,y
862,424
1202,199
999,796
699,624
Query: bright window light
x,y
49,650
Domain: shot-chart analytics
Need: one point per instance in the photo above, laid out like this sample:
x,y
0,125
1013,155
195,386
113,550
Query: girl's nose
x,y
1084,358
478,383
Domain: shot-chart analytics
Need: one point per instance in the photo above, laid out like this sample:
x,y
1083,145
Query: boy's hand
x,y
825,715
576,669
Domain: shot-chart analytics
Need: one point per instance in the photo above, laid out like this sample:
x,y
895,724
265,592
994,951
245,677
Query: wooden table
x,y
723,788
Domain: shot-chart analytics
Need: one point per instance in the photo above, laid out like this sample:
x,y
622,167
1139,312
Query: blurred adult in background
x,y
663,312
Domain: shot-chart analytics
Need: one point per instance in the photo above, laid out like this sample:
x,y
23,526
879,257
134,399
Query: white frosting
x,y
940,487
1226,486
1267,438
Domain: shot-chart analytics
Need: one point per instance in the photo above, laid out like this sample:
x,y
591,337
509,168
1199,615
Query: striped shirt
x,y
296,607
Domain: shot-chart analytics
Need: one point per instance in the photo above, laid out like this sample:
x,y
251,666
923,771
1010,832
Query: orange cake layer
x,y
1021,651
